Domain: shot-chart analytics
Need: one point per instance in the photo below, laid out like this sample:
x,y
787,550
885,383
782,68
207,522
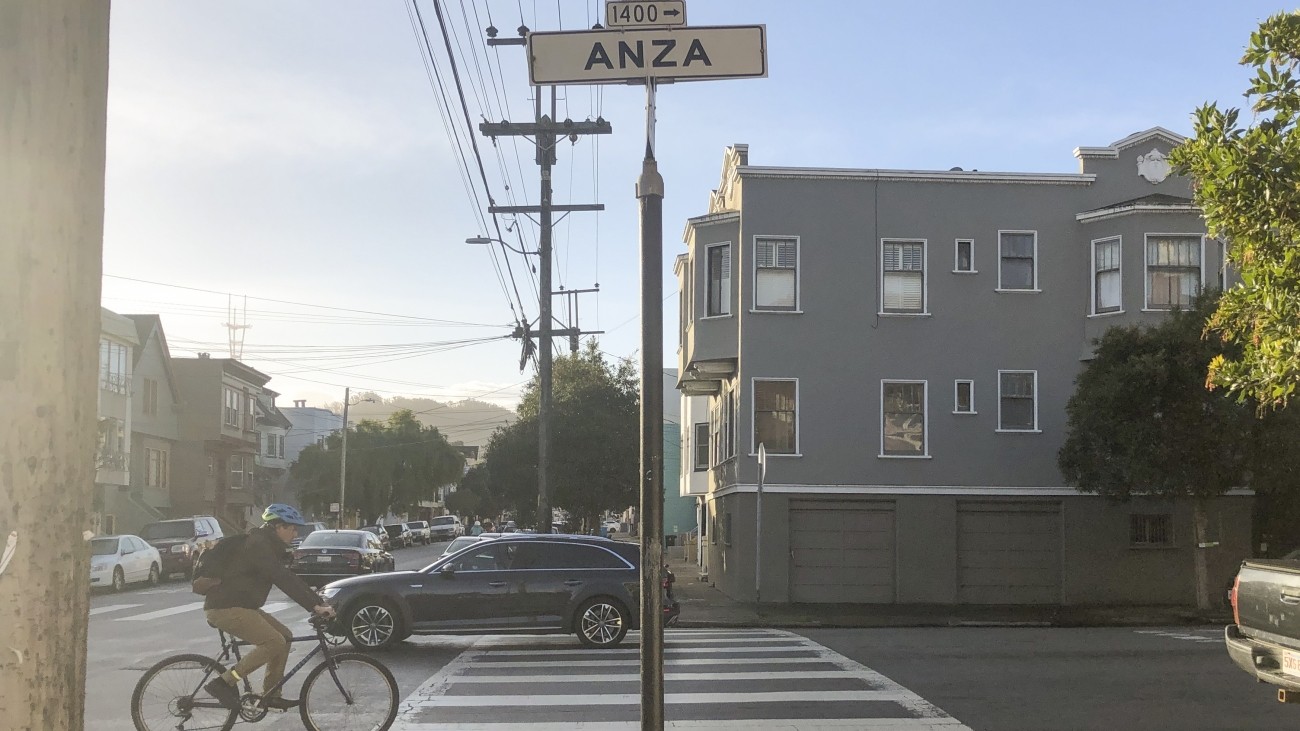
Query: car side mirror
x,y
126,551
447,571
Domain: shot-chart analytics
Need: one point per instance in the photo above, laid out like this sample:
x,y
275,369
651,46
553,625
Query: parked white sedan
x,y
119,560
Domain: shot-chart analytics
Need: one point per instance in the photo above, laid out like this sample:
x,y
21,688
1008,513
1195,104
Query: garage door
x,y
1009,553
841,551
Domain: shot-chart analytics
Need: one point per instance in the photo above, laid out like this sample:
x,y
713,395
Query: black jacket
x,y
259,563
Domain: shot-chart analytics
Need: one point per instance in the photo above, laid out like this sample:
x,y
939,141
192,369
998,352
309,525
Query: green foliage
x,y
595,446
1141,419
1247,182
392,466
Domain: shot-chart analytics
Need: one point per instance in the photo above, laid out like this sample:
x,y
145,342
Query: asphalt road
x,y
923,679
132,630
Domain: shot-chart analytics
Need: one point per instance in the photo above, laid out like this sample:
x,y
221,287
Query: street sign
x,y
638,14
334,507
614,56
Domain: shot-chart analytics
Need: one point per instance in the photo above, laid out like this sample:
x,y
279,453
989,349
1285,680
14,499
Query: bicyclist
x,y
235,606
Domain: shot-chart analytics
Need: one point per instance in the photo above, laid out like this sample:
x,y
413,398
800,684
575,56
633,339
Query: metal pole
x,y
545,149
650,193
343,457
758,526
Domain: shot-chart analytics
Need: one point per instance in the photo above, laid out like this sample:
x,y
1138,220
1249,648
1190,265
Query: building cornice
x,y
1111,152
923,176
1119,211
958,490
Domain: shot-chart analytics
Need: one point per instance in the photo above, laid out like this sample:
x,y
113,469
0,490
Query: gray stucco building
x,y
904,342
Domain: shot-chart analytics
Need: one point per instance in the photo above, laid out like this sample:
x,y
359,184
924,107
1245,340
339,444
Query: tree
x,y
392,466
595,449
1247,183
54,90
1142,422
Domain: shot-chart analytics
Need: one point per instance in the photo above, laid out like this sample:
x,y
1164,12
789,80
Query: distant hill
x,y
468,422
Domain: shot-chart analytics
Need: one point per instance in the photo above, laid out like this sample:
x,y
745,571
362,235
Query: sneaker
x,y
224,692
280,704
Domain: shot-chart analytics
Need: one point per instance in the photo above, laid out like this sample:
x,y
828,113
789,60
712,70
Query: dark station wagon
x,y
532,583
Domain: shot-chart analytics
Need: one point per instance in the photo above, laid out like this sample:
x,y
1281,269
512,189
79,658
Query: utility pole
x,y
650,196
54,93
545,131
343,458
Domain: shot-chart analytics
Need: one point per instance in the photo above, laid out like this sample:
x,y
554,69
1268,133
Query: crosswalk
x,y
714,679
1199,636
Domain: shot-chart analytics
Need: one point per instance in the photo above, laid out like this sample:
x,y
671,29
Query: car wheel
x,y
601,622
372,624
119,579
154,575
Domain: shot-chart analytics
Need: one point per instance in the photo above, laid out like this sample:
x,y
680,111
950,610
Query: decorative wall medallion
x,y
1153,166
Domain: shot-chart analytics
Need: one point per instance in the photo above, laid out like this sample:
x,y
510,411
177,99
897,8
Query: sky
x,y
305,165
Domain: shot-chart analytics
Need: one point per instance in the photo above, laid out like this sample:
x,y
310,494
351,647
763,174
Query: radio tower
x,y
236,327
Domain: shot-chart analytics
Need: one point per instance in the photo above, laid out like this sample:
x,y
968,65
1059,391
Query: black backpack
x,y
211,566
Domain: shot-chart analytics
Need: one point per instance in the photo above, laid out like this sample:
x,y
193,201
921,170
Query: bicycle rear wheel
x,y
360,693
170,696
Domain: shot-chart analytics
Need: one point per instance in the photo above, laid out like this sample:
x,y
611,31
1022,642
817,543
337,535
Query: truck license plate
x,y
324,559
1291,662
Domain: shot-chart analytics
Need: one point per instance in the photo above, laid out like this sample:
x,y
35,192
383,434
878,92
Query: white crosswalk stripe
x,y
715,679
113,608
162,613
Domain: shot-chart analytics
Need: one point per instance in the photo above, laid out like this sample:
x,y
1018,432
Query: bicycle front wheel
x,y
349,691
170,696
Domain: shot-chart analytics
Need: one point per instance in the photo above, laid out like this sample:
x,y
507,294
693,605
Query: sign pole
x,y
650,194
758,526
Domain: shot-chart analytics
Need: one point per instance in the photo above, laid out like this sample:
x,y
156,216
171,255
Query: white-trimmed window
x,y
902,419
1018,261
776,273
1106,276
964,256
776,415
231,410
1017,400
722,424
237,471
156,467
902,276
1173,269
149,397
701,446
963,396
113,373
719,287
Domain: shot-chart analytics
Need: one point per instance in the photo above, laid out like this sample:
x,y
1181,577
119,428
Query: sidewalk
x,y
703,605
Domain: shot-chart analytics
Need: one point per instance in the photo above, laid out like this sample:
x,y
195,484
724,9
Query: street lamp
x,y
490,240
343,457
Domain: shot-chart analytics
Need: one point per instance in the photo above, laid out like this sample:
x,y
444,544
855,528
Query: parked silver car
x,y
119,560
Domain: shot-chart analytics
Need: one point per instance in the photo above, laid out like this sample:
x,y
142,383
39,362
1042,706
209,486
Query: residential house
x,y
271,477
309,425
155,426
117,341
903,344
214,466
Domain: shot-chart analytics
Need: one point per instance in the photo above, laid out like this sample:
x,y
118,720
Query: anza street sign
x,y
622,56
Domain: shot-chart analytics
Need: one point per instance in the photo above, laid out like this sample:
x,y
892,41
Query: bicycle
x,y
348,690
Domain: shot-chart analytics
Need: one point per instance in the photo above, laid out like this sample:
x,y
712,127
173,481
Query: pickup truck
x,y
1264,639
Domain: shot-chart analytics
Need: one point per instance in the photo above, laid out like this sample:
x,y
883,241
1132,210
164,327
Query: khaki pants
x,y
271,640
